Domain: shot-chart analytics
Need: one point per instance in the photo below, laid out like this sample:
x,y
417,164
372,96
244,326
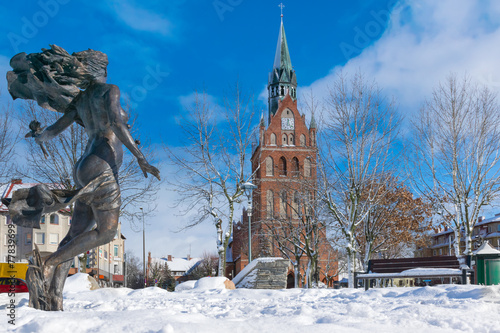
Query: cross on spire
x,y
281,5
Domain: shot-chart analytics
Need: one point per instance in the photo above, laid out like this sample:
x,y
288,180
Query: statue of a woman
x,y
74,85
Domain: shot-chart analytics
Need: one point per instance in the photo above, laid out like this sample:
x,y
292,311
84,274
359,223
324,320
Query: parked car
x,y
19,285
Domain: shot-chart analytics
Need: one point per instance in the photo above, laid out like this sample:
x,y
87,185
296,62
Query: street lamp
x,y
143,249
249,187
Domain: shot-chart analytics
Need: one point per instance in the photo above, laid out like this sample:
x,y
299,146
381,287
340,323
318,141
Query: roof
x,y
495,218
179,264
282,56
486,248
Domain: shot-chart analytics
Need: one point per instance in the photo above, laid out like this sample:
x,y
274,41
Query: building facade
x,y
442,241
284,169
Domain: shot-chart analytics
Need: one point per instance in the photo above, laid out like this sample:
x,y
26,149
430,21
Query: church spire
x,y
282,79
282,56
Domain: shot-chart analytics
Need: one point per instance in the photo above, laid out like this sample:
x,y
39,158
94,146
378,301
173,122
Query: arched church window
x,y
273,139
269,166
270,203
295,167
291,141
307,167
282,166
302,140
295,205
283,204
284,140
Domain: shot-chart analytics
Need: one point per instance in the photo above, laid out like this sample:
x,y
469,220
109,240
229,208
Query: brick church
x,y
284,168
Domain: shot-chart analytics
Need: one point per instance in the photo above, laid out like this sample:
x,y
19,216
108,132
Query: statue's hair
x,y
54,77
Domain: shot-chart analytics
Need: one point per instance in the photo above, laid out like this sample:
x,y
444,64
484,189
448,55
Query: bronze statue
x,y
75,85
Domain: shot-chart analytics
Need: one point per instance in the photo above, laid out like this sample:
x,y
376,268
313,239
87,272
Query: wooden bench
x,y
424,267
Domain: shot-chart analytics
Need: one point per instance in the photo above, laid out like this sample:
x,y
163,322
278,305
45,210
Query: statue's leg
x,y
82,221
107,224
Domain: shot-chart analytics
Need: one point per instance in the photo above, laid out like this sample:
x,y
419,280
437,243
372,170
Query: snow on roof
x,y
486,248
495,218
180,264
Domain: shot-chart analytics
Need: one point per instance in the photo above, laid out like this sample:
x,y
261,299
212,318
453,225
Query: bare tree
x,y
361,127
65,150
296,227
135,274
287,239
212,164
207,266
395,225
456,154
8,139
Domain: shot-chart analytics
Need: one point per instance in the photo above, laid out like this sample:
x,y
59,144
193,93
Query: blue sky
x,y
161,51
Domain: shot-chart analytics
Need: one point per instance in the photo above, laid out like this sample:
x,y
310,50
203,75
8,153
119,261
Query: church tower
x,y
285,158
282,79
283,167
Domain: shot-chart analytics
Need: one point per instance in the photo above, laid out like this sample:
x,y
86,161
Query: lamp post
x,y
249,187
143,249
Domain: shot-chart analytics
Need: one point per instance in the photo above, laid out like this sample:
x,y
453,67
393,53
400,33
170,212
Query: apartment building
x,y
442,241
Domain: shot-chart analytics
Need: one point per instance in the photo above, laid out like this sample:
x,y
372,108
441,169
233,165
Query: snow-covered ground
x,y
207,307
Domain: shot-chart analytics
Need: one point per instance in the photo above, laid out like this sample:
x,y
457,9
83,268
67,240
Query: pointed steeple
x,y
282,56
313,122
282,79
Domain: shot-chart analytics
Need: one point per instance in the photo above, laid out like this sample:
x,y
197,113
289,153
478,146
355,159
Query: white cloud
x,y
424,42
142,19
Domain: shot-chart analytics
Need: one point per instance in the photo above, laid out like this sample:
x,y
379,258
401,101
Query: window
x,y
54,219
272,139
42,221
270,203
295,205
40,238
285,140
291,140
307,167
53,238
302,140
498,227
283,205
115,249
295,167
100,253
269,166
282,166
8,220
105,255
27,239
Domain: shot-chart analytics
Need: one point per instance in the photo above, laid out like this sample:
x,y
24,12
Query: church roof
x,y
282,57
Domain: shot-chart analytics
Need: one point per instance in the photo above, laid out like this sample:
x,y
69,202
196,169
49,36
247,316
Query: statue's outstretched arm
x,y
119,127
58,127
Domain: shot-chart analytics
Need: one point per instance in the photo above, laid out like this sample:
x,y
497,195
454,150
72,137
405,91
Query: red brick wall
x,y
291,182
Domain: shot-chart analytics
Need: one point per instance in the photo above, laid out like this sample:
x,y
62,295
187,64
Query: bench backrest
x,y
401,264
